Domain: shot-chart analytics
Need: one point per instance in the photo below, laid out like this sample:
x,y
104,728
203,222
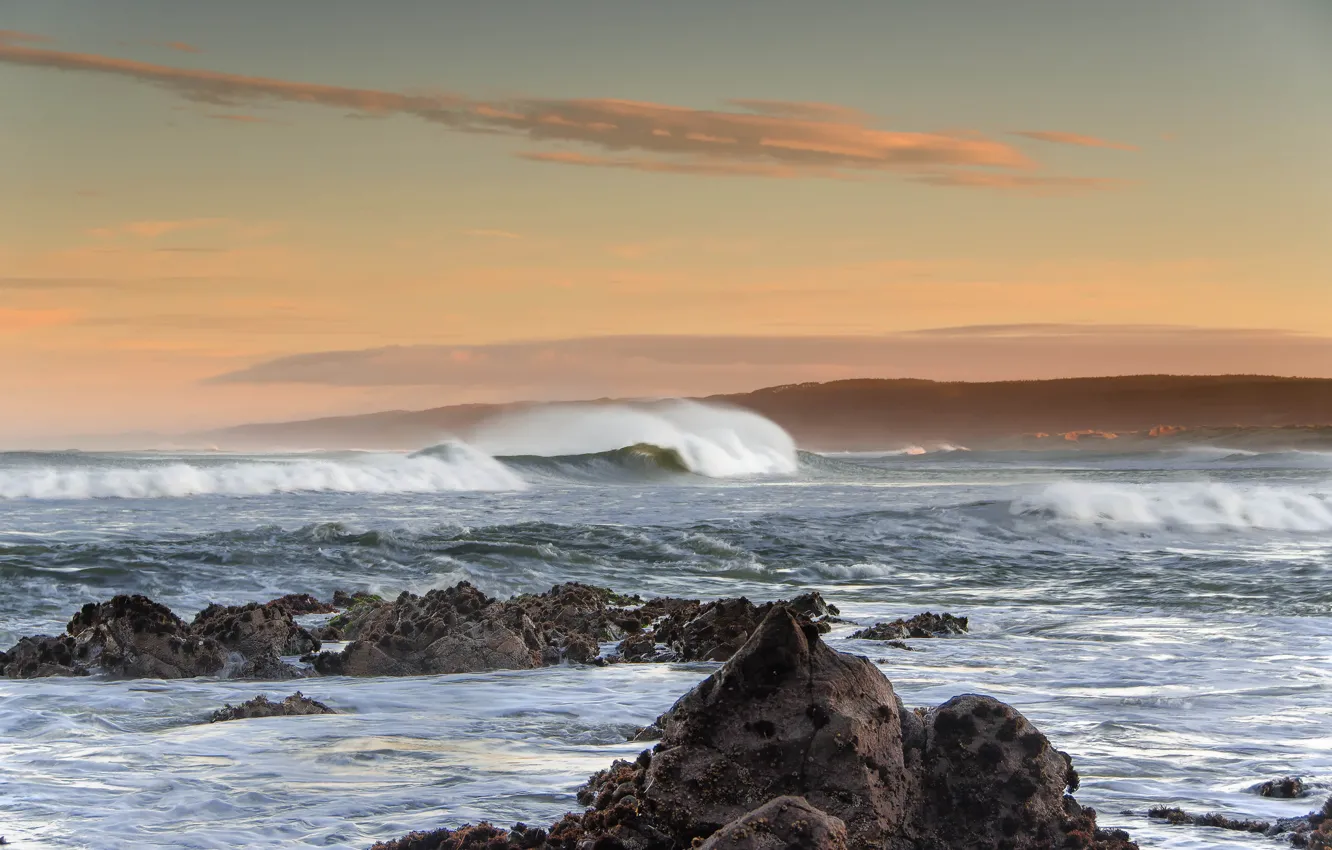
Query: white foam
x,y
463,469
1207,506
715,441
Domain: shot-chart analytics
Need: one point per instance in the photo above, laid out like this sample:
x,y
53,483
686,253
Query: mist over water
x,y
1166,617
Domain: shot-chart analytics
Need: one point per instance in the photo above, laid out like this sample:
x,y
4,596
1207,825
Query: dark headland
x,y
1242,411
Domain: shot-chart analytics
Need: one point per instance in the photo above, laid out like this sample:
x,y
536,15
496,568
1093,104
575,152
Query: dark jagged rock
x,y
782,823
42,656
456,630
461,630
1180,817
789,717
135,637
920,626
1285,788
713,631
298,604
294,705
254,630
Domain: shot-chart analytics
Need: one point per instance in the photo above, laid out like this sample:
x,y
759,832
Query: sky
x,y
218,213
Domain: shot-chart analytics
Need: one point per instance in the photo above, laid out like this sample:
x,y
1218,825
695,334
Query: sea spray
x,y
464,469
1200,506
711,440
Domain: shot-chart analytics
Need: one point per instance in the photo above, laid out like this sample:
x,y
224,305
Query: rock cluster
x,y
686,630
453,630
295,705
135,637
792,744
1314,830
920,626
460,629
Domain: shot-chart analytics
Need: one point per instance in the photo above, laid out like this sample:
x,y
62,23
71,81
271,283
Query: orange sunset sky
x,y
226,212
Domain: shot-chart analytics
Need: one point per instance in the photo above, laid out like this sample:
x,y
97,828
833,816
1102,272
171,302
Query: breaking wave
x,y
1204,506
705,439
460,468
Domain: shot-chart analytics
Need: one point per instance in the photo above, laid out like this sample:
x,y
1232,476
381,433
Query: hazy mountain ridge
x,y
1240,410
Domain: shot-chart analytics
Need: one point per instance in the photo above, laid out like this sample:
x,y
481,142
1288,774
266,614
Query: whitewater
x,y
1165,617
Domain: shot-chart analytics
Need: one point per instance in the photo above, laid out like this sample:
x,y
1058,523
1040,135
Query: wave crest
x,y
1205,506
706,439
459,468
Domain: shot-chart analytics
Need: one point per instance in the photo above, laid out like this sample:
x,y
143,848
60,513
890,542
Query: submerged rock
x,y
792,744
1285,788
1179,816
294,705
920,626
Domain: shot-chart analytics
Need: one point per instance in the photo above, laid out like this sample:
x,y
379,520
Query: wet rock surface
x,y
924,625
1285,788
787,717
780,824
135,637
254,630
687,630
295,705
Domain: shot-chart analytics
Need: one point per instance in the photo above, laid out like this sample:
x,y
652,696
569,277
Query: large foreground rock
x,y
778,825
793,742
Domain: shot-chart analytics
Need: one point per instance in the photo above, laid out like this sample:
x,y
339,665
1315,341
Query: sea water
x,y
1164,617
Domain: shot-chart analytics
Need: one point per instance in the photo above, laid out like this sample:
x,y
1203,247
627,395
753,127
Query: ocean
x,y
1165,617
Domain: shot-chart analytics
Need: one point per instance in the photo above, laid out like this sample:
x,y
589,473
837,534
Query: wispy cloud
x,y
1076,139
238,118
12,36
155,229
487,233
13,320
758,138
1034,184
179,46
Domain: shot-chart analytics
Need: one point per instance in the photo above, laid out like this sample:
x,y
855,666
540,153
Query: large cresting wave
x,y
705,439
102,477
1200,506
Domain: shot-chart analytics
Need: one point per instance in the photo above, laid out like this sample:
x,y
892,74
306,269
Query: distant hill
x,y
876,413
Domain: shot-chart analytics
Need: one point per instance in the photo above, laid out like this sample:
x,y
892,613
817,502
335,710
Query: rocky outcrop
x,y
461,630
295,705
780,824
793,741
298,604
42,656
134,637
920,626
255,630
692,631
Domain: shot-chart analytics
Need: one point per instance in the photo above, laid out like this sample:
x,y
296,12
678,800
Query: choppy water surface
x,y
1165,618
